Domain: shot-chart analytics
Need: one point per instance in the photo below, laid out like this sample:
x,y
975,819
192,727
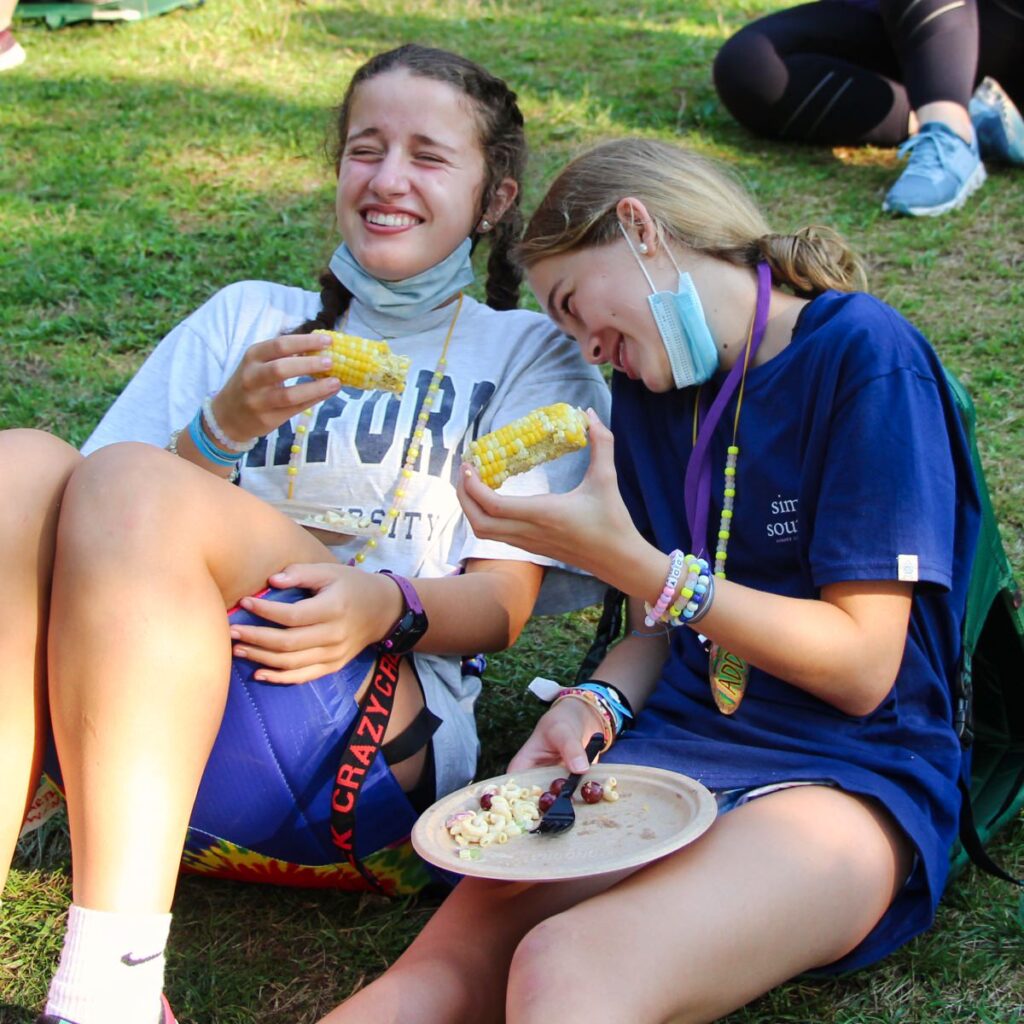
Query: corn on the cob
x,y
363,363
537,437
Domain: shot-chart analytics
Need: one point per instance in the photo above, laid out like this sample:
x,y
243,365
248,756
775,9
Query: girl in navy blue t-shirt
x,y
800,437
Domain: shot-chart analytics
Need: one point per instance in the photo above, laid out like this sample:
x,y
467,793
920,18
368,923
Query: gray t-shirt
x,y
499,366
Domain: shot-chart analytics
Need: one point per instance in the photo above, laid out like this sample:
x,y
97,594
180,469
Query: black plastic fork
x,y
561,816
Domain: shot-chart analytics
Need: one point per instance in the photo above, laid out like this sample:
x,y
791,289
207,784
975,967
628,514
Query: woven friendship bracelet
x,y
205,446
618,704
588,697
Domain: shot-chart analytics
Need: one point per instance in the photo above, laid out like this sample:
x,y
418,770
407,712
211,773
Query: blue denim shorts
x,y
730,799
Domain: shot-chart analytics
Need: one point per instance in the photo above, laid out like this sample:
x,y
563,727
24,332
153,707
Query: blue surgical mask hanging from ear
x,y
679,317
415,295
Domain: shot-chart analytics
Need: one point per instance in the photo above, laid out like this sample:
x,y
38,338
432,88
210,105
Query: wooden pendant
x,y
729,675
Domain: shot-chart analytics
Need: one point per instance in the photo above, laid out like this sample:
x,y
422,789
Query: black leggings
x,y
849,73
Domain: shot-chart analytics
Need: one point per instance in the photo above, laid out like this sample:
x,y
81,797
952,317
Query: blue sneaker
x,y
941,173
997,123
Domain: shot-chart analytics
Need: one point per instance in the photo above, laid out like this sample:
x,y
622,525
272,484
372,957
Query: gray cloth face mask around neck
x,y
679,317
413,296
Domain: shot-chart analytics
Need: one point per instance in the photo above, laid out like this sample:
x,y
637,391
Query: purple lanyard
x,y
697,483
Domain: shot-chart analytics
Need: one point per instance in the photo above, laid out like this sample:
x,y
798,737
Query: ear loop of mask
x,y
679,318
640,262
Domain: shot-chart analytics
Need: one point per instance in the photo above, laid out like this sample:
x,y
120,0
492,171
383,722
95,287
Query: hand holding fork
x,y
561,816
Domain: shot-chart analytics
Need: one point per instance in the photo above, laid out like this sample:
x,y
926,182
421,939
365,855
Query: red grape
x,y
485,801
591,792
545,801
556,786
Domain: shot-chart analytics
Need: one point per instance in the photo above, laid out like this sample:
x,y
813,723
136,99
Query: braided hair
x,y
502,141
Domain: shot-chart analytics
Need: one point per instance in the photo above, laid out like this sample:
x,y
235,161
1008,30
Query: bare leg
x,y
151,550
789,882
457,968
784,884
953,115
34,468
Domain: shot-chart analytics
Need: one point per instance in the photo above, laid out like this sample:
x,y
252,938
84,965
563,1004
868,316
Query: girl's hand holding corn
x,y
322,632
256,399
589,527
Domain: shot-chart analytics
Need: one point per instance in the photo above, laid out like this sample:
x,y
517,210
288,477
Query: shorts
x,y
730,799
263,810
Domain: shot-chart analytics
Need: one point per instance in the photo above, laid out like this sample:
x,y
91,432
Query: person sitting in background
x,y
886,72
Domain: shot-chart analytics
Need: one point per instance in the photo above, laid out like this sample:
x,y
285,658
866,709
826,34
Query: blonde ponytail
x,y
812,260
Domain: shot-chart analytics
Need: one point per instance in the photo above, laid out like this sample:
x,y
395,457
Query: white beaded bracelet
x,y
241,447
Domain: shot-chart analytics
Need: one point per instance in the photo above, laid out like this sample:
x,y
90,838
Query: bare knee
x,y
122,498
34,471
556,973
35,467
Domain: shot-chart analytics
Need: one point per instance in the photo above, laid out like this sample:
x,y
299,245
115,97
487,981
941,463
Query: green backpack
x,y
989,692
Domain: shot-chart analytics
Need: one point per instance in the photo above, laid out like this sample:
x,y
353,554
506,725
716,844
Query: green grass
x,y
144,166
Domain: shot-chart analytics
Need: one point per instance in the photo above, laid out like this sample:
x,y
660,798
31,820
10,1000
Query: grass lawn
x,y
143,166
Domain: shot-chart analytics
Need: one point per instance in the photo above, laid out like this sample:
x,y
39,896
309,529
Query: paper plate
x,y
657,812
317,517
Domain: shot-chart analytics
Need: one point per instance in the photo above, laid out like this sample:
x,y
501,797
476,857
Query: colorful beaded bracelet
x,y
692,594
698,607
675,570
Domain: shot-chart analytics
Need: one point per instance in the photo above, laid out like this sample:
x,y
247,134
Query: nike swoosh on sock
x,y
133,961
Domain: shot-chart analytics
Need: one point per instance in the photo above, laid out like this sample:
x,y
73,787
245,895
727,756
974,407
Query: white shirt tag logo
x,y
906,568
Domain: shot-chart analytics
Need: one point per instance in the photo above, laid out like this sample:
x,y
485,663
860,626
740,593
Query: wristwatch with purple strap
x,y
411,624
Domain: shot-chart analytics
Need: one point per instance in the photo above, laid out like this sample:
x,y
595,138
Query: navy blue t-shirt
x,y
853,465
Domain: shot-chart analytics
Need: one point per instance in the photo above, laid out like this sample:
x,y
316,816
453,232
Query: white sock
x,y
111,968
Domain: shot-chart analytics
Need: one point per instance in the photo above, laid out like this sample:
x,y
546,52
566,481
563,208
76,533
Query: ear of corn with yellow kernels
x,y
363,363
537,437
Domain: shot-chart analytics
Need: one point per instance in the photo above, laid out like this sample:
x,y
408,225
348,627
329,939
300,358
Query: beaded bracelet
x,y
622,712
675,570
692,594
239,447
588,697
205,446
698,607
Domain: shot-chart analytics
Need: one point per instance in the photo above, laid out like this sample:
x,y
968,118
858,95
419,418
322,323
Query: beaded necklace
x,y
727,672
400,491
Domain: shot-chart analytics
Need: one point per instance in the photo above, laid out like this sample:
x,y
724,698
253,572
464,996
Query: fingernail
x,y
246,603
234,634
327,362
241,652
579,764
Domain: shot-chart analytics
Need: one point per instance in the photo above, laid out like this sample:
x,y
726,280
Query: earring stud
x,y
485,225
642,248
